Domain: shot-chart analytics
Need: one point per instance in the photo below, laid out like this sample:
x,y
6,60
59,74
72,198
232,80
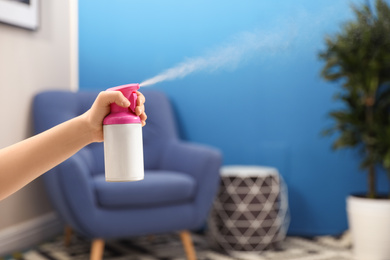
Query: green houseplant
x,y
358,57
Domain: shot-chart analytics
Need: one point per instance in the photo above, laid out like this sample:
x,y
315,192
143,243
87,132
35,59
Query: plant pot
x,y
369,223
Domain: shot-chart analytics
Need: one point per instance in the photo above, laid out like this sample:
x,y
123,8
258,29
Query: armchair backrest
x,y
51,108
160,127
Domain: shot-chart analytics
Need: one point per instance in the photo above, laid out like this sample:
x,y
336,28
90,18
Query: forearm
x,y
23,162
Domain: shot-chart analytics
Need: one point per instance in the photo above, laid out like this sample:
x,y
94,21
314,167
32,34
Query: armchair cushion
x,y
159,188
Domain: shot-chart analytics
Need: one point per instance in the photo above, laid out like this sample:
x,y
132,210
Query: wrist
x,y
92,133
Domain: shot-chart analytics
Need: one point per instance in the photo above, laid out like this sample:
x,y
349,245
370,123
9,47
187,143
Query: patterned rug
x,y
169,247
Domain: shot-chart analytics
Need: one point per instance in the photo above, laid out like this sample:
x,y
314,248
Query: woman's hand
x,y
101,108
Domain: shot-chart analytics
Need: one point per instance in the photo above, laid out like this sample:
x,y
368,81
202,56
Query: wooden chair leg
x,y
188,245
97,249
151,238
68,232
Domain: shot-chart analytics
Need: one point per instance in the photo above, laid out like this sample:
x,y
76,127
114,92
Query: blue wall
x,y
269,110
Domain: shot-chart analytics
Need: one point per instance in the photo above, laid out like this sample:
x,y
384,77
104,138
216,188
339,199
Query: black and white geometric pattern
x,y
169,247
250,212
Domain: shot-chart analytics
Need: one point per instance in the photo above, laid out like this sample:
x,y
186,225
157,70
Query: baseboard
x,y
29,233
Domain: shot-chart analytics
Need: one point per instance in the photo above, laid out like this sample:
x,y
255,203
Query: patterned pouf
x,y
250,212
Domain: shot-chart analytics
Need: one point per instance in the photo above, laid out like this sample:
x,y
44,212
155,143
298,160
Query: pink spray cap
x,y
124,115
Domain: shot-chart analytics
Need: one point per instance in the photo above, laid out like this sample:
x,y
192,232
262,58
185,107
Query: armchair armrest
x,y
203,164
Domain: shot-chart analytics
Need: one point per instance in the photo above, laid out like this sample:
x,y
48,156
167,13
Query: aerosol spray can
x,y
123,149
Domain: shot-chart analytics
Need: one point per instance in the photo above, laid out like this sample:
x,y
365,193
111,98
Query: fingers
x,y
106,98
140,99
143,116
109,97
140,109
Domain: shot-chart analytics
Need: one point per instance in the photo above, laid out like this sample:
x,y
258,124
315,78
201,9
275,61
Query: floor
x,y
169,247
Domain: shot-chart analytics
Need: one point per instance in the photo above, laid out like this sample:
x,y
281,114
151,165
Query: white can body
x,y
123,152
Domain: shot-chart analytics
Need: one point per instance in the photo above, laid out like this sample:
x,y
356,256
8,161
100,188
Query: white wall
x,y
31,61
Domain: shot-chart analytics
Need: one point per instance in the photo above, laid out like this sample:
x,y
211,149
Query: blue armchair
x,y
181,179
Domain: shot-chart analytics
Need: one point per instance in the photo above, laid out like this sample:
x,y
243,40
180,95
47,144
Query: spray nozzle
x,y
122,115
129,91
